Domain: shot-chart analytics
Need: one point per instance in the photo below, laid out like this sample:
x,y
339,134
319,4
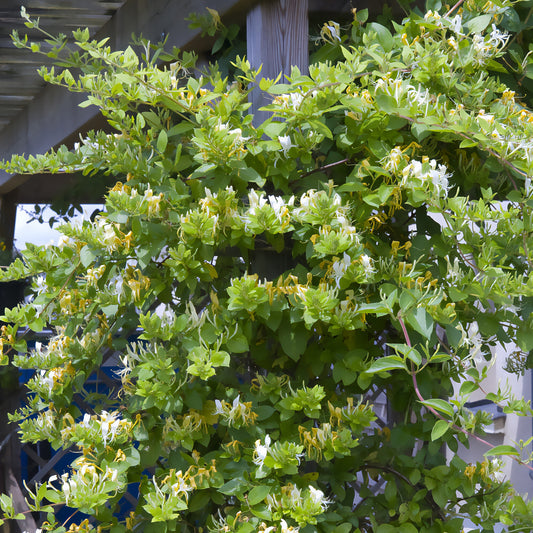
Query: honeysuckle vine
x,y
265,293
445,423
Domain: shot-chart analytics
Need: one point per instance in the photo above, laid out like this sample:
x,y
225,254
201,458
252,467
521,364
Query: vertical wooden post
x,y
8,213
277,38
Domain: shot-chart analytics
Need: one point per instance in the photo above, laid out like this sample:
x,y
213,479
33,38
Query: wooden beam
x,y
72,188
54,114
277,38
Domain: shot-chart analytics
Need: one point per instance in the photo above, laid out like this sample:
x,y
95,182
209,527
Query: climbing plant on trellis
x,y
260,286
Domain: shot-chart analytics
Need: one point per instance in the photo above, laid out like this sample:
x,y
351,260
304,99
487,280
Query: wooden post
x,y
8,213
277,38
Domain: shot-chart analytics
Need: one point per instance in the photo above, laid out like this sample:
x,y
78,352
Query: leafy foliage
x,y
260,286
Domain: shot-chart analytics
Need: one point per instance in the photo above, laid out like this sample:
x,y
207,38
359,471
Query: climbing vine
x,y
261,290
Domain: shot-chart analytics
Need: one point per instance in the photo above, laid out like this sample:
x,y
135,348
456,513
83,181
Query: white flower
x,y
456,25
286,529
109,425
318,498
454,272
278,205
111,473
330,31
436,176
481,49
86,422
261,451
487,119
167,314
295,497
236,413
496,472
221,127
286,143
180,486
219,408
453,43
40,282
418,96
296,100
439,177
498,38
393,160
340,268
51,377
471,339
256,201
366,263
126,363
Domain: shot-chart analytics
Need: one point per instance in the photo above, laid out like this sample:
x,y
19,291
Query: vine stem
x,y
451,10
436,413
325,167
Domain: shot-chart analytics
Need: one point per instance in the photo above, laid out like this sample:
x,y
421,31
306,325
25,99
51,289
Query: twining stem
x,y
452,9
325,167
435,412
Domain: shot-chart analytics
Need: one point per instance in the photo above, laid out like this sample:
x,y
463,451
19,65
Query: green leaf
x,y
345,527
384,36
199,500
110,310
503,449
320,127
87,255
420,131
340,372
362,15
386,528
386,103
439,405
238,343
407,528
251,175
6,503
258,494
439,429
120,217
247,527
421,321
433,5
162,141
468,387
414,356
233,487
407,351
261,511
275,129
478,24
391,362
524,337
293,339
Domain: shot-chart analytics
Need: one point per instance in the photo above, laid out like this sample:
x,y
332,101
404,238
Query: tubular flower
x,y
261,451
235,414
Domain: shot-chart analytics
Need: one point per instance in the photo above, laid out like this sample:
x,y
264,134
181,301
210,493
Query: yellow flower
x,y
470,470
